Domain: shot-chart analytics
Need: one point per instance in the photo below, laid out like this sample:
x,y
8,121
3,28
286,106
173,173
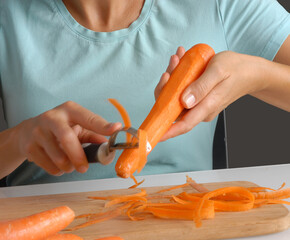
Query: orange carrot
x,y
111,238
167,106
66,236
37,226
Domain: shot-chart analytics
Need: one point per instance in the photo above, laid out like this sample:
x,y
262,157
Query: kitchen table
x,y
271,176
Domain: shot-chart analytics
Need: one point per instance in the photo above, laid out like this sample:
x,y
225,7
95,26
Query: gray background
x,y
257,133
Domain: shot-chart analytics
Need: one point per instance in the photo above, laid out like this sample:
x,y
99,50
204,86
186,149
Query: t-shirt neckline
x,y
104,36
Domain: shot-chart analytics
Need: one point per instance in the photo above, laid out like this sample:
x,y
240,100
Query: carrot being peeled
x,y
167,106
37,226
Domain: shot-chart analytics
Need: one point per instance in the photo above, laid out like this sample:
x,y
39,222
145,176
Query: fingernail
x,y
108,126
60,173
82,169
189,100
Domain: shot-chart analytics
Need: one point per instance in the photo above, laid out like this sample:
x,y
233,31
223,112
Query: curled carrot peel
x,y
186,205
38,226
124,114
167,107
137,184
242,191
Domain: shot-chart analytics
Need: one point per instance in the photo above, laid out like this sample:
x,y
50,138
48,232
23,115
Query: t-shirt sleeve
x,y
255,27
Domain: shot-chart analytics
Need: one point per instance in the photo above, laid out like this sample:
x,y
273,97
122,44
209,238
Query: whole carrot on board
x,y
166,108
38,226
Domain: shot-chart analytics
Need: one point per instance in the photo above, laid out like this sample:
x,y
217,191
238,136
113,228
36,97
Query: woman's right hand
x,y
53,140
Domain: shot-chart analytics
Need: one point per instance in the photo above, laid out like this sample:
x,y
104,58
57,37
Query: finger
x,y
87,136
71,146
200,88
40,158
217,100
89,120
184,125
163,80
180,52
181,115
174,60
49,143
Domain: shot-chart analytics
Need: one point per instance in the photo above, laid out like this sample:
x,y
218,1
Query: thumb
x,y
200,88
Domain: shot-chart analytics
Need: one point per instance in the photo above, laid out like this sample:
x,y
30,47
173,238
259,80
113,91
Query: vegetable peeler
x,y
104,153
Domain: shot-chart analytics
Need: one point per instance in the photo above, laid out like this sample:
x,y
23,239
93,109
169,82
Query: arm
x,y
53,139
277,75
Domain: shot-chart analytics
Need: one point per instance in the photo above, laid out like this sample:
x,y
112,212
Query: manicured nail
x,y
108,126
189,100
82,169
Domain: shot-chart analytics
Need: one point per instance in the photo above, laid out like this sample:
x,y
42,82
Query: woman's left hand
x,y
228,76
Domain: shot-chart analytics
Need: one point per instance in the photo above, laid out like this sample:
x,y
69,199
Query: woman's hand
x,y
228,76
53,140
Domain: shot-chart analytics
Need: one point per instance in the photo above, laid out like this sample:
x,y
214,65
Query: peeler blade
x,y
112,145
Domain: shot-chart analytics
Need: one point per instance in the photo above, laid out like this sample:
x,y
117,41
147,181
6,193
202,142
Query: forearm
x,y
275,84
10,156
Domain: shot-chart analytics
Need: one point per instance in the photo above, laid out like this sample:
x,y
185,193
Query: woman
x,y
76,54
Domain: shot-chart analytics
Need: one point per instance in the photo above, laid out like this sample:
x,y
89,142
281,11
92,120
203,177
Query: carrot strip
x,y
188,197
38,226
98,198
179,200
134,179
271,201
110,238
241,190
125,199
196,186
137,184
65,236
184,212
136,207
283,185
124,115
105,216
232,206
112,214
278,194
172,188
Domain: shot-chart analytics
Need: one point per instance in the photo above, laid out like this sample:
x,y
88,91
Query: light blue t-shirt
x,y
47,58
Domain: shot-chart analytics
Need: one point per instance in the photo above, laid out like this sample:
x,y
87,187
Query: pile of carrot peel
x,y
195,204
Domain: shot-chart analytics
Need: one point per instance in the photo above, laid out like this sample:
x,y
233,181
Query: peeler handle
x,y
99,153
